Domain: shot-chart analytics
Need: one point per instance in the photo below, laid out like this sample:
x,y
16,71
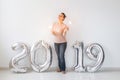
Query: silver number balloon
x,y
79,66
14,62
37,46
95,52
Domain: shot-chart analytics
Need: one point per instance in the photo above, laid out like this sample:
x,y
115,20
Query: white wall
x,y
92,21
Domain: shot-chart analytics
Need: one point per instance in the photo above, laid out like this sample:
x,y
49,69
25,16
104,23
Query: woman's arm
x,y
52,30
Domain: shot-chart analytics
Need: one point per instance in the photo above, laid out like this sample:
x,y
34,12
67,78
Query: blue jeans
x,y
60,50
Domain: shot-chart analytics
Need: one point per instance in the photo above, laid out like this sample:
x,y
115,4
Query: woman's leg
x,y
62,50
56,45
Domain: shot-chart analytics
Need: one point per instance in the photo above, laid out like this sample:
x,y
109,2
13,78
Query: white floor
x,y
106,74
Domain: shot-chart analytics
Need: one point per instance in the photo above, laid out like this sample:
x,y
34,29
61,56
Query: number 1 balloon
x,y
78,46
14,62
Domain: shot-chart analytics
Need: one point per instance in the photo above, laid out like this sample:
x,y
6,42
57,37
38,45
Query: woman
x,y
59,30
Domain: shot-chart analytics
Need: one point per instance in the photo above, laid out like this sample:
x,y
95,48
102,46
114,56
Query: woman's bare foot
x,y
58,70
63,72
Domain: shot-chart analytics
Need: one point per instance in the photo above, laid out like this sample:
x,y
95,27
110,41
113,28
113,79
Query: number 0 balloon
x,y
38,46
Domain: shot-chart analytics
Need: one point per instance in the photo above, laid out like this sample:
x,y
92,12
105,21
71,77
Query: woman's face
x,y
61,17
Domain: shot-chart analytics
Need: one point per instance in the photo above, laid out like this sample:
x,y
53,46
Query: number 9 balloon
x,y
97,56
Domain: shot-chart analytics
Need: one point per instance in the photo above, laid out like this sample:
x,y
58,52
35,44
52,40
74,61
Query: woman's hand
x,y
53,32
52,29
65,30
